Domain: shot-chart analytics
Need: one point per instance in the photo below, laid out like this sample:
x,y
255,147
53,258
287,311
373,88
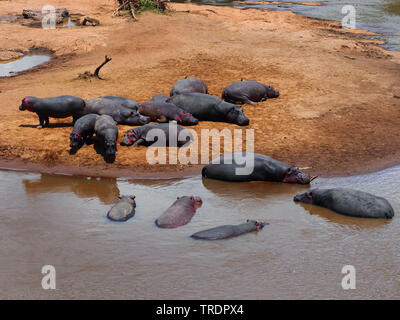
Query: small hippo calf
x,y
348,202
123,209
83,130
161,111
55,107
188,85
229,231
107,131
180,212
248,92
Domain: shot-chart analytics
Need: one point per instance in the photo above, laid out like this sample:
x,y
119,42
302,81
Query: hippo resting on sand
x,y
258,168
123,209
148,134
229,231
180,212
248,92
209,108
161,111
189,85
107,131
124,102
55,107
83,130
349,202
114,108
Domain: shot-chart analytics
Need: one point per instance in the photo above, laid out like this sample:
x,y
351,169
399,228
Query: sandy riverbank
x,y
337,113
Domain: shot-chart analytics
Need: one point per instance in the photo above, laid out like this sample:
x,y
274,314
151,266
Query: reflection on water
x,y
106,190
62,221
374,15
8,69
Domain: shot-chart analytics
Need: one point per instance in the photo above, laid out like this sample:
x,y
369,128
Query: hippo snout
x,y
21,108
243,121
298,197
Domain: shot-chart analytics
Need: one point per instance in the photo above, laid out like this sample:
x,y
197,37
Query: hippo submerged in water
x,y
180,212
248,92
116,108
259,168
349,202
189,85
55,107
107,132
209,108
83,130
145,136
123,209
161,111
229,231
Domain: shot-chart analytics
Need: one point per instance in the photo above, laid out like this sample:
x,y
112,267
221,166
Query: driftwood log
x,y
37,15
87,21
89,75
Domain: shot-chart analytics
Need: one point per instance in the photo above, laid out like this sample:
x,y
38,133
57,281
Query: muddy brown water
x,y
61,221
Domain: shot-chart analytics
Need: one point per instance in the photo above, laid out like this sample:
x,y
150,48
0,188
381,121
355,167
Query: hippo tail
x,y
204,172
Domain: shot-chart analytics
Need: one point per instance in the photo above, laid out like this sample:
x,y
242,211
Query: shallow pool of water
x,y
11,68
61,221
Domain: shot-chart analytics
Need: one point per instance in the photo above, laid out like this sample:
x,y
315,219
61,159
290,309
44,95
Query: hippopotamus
x,y
114,108
160,111
140,135
124,102
83,130
180,212
348,202
248,92
210,108
54,107
188,85
107,132
229,231
257,167
123,209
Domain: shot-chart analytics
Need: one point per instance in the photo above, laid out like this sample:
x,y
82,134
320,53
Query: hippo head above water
x,y
186,118
259,225
236,115
196,202
130,138
306,197
294,175
27,104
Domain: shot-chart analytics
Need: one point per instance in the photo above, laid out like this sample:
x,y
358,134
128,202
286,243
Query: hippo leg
x,y
42,121
247,101
162,119
74,118
140,142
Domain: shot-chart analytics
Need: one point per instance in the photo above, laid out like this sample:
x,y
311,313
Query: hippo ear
x,y
177,198
119,197
133,197
191,198
311,194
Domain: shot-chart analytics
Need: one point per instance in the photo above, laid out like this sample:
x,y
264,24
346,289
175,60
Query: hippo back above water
x,y
123,209
248,92
54,107
189,85
258,168
229,231
180,212
210,108
348,202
